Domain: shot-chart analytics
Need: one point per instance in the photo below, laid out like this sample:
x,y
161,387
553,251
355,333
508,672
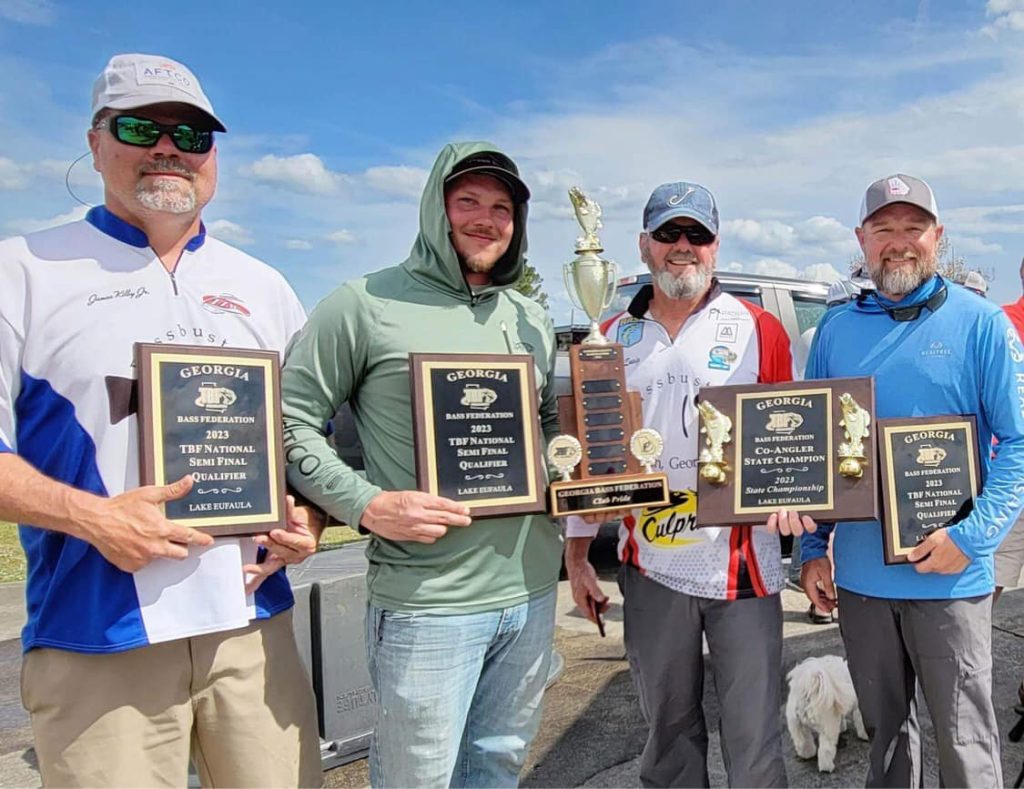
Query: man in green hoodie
x,y
461,614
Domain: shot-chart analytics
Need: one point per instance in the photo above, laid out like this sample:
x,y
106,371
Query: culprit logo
x,y
630,331
1013,345
215,398
478,397
666,527
721,358
224,302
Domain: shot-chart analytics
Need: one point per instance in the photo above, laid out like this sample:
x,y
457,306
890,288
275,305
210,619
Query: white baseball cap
x,y
132,81
976,282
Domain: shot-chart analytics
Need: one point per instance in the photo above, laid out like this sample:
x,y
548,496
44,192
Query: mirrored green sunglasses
x,y
145,133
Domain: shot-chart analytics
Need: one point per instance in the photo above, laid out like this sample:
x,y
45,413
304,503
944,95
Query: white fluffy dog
x,y
821,697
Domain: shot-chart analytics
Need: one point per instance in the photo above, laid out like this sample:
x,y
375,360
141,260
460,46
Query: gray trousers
x,y
946,647
663,640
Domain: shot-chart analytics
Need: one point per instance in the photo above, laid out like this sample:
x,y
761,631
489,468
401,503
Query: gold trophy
x,y
590,280
603,421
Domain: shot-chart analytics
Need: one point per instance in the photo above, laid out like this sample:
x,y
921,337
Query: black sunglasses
x,y
145,133
697,235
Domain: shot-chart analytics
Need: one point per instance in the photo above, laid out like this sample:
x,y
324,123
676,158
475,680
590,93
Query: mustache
x,y
175,166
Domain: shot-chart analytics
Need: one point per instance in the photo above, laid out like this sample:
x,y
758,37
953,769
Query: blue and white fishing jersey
x,y
73,301
964,357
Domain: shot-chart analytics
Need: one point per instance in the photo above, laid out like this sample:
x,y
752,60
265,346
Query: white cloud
x,y
28,12
342,237
401,181
12,174
231,232
298,243
773,267
985,219
972,247
768,237
304,172
1006,15
822,272
32,225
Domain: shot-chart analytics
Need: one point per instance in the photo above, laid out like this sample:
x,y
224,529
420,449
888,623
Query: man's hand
x,y
605,516
791,522
938,554
130,529
816,579
291,545
583,578
413,516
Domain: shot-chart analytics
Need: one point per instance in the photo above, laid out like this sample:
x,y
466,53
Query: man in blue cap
x,y
681,585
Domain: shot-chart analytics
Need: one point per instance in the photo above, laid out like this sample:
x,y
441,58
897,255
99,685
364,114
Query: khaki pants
x,y
239,699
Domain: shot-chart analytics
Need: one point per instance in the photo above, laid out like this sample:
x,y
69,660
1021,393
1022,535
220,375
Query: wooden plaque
x,y
477,431
214,413
786,451
931,475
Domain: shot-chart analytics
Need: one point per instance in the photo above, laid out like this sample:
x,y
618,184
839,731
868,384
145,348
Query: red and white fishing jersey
x,y
726,341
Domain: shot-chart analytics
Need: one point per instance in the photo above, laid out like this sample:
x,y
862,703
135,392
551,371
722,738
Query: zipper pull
x,y
508,339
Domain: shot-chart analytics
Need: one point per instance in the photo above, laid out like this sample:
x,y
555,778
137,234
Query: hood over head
x,y
433,258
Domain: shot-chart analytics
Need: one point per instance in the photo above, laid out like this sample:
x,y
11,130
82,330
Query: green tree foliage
x,y
531,285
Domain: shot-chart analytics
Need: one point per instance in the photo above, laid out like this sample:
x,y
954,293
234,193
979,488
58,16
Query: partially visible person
x,y
844,290
976,284
932,349
682,585
461,612
1009,559
142,638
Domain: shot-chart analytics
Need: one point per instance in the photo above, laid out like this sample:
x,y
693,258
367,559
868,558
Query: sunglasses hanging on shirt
x,y
911,313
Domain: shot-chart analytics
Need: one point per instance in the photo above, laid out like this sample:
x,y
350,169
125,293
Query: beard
x,y
479,264
681,285
171,195
902,280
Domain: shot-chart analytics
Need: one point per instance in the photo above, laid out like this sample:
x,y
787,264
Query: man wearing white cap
x,y
933,349
142,638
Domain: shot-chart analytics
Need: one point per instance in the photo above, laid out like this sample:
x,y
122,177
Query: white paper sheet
x,y
204,593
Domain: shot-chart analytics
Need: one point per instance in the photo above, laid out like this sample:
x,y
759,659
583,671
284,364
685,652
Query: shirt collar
x,y
112,225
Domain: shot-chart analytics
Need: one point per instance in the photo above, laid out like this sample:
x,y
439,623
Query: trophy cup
x,y
603,422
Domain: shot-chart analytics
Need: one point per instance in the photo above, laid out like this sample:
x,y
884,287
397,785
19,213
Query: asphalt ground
x,y
592,732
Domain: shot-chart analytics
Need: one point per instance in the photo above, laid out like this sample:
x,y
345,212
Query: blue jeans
x,y
459,697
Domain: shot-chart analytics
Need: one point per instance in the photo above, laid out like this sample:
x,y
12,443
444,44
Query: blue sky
x,y
785,110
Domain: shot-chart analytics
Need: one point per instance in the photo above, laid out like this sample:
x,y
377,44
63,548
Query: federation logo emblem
x,y
630,332
215,398
478,397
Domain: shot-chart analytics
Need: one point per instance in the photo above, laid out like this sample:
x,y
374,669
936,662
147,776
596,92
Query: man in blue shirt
x,y
933,350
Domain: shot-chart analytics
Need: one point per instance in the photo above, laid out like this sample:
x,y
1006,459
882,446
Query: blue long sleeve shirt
x,y
964,358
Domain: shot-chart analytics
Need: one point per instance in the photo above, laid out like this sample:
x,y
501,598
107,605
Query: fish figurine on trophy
x,y
605,458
